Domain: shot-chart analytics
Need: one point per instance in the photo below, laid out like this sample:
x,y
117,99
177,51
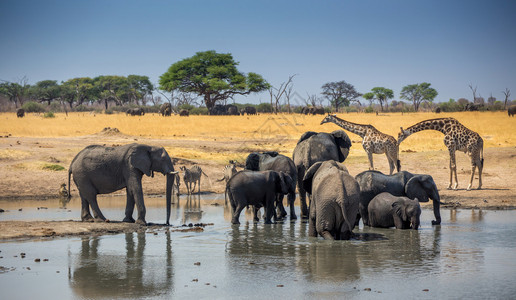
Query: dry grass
x,y
266,131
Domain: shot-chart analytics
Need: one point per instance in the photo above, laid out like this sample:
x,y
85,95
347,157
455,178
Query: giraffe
x,y
373,141
456,137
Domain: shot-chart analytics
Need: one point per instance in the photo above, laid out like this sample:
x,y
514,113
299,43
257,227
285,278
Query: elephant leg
x,y
269,207
97,214
85,210
364,214
302,193
344,232
236,213
135,186
255,213
312,231
291,198
129,207
281,212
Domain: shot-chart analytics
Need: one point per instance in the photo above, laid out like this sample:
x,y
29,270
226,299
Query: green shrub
x,y
32,107
199,111
108,111
49,114
83,108
369,109
264,108
53,167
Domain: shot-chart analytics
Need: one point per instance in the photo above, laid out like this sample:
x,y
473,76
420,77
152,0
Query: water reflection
x,y
102,272
192,212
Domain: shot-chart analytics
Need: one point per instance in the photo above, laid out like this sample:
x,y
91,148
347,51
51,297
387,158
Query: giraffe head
x,y
402,135
328,118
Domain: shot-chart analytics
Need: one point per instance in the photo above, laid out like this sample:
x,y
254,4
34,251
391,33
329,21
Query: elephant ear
x,y
343,142
306,136
141,159
307,180
398,208
283,183
252,162
414,189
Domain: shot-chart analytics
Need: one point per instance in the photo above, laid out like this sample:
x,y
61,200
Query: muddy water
x,y
471,255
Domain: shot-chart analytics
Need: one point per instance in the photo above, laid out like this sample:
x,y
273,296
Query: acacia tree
x,y
211,75
78,90
380,94
15,91
46,91
418,93
339,93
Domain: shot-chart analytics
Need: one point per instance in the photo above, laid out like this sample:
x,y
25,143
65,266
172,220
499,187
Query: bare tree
x,y
507,94
288,94
491,100
277,93
313,100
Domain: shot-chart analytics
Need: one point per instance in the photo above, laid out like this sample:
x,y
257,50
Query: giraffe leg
x,y
453,169
391,164
370,157
473,168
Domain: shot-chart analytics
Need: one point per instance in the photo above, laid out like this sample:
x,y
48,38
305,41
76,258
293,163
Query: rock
x,y
367,289
37,260
197,263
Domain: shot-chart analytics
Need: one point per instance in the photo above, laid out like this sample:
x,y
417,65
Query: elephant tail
x,y
69,175
398,165
230,196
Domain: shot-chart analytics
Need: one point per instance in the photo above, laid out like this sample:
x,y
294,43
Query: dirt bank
x,y
24,174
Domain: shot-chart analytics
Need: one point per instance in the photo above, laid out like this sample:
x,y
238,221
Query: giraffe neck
x,y
357,129
442,125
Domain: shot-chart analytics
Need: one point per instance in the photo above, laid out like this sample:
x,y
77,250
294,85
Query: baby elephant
x,y
258,188
386,210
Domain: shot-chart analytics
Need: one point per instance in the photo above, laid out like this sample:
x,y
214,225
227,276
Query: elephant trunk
x,y
414,223
170,184
436,199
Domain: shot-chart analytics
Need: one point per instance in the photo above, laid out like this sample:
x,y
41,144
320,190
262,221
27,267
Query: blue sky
x,y
367,43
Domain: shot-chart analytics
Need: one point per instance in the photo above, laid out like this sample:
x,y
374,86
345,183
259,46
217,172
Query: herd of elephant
x,y
337,200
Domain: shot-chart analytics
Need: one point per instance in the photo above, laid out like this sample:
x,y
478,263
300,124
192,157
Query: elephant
x,y
258,188
165,109
280,163
232,110
249,110
135,111
386,210
20,113
102,170
335,200
184,113
403,183
511,110
313,147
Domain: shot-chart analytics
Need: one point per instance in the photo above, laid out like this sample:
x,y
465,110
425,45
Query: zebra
x,y
229,171
192,175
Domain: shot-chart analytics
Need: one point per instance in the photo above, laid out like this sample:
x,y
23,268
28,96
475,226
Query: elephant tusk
x,y
173,172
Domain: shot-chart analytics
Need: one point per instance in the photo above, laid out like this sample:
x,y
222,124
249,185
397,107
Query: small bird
x,y
62,191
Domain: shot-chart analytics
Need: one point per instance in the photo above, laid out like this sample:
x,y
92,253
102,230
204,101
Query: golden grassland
x,y
265,131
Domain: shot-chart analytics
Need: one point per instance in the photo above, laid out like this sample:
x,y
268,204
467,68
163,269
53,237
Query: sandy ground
x,y
22,176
